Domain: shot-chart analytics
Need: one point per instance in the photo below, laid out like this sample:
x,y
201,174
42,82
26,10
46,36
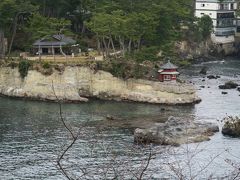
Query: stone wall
x,y
80,83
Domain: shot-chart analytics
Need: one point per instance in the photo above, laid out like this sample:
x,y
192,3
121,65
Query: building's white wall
x,y
200,13
222,39
212,8
207,6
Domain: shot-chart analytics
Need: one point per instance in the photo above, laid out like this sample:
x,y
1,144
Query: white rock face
x,y
79,83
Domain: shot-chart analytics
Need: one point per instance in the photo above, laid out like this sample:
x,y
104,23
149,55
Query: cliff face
x,y
191,50
79,83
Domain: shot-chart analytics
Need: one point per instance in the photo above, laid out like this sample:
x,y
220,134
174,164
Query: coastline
x,y
81,84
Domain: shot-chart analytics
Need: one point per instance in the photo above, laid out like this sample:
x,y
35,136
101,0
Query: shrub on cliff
x,y
23,68
46,65
231,126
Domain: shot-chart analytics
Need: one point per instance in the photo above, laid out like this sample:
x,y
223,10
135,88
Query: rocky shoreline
x,y
176,131
78,84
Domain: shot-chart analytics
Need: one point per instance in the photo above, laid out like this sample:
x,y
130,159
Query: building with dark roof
x,y
168,72
53,44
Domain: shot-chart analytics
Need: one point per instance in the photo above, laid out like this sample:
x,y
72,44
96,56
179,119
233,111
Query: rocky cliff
x,y
81,83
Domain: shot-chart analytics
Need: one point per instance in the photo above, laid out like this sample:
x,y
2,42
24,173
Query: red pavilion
x,y
168,72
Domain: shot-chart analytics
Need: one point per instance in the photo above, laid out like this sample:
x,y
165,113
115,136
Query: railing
x,y
224,33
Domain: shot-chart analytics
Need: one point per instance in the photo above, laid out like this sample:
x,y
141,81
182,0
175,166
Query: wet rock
x,y
224,92
238,89
109,117
212,77
175,131
229,85
203,80
204,70
231,126
163,109
202,86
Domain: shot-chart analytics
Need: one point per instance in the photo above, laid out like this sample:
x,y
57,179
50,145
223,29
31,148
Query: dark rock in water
x,y
109,117
163,109
204,70
202,86
212,77
229,85
208,87
175,131
203,80
222,87
231,126
224,92
238,89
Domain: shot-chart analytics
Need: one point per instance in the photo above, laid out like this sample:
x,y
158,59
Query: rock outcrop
x,y
175,131
81,83
229,85
231,126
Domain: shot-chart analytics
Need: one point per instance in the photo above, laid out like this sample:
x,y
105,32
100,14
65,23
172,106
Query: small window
x,y
232,6
202,5
210,14
167,77
202,14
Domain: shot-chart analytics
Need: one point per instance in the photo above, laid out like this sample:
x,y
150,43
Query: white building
x,y
223,17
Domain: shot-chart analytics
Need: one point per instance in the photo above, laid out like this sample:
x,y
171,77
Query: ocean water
x,y
32,135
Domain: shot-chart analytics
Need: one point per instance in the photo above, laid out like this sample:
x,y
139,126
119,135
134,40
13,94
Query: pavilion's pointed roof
x,y
168,65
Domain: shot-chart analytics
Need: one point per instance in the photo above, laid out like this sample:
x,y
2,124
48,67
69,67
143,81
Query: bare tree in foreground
x,y
112,167
116,167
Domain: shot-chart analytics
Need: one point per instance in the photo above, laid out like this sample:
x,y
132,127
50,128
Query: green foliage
x,y
145,23
146,54
200,30
205,25
39,27
23,68
11,10
118,70
46,65
138,29
184,62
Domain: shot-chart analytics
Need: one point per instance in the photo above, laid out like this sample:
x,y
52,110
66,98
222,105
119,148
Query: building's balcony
x,y
224,33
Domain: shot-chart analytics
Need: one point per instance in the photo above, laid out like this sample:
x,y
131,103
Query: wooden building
x,y
168,72
53,45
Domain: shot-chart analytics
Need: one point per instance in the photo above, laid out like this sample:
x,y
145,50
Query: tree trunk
x,y
130,46
122,43
105,46
39,53
139,44
2,44
13,34
61,50
98,46
112,43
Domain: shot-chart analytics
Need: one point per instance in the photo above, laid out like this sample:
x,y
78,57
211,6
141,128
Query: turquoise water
x,y
32,136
